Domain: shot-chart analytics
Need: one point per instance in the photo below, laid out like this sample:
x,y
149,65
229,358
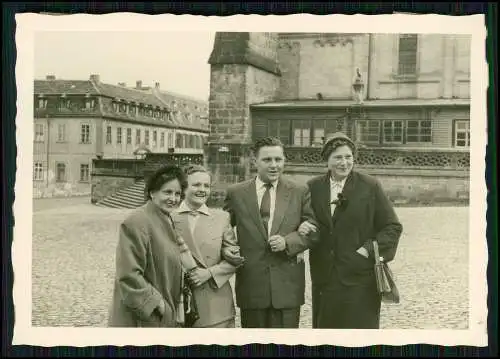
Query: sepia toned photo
x,y
198,174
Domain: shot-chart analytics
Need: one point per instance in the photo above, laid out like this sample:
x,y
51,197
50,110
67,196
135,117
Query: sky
x,y
177,60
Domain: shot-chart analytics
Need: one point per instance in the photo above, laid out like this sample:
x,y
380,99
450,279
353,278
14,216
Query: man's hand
x,y
277,243
199,276
363,252
306,228
232,255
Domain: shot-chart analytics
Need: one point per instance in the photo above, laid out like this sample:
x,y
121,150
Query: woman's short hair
x,y
164,175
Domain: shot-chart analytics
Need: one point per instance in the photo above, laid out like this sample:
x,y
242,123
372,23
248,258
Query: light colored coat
x,y
214,299
148,271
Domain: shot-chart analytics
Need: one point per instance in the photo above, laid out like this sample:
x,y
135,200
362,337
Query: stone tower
x,y
244,71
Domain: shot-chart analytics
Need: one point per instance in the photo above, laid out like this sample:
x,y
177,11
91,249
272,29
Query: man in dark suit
x,y
351,210
267,211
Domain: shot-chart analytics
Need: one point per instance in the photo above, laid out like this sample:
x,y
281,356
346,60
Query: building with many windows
x,y
405,98
76,121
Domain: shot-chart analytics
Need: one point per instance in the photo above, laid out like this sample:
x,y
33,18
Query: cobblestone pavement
x,y
73,268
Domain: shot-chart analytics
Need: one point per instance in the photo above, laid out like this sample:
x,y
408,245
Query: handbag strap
x,y
376,252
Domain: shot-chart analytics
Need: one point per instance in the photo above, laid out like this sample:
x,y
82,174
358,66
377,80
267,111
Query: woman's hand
x,y
199,276
305,228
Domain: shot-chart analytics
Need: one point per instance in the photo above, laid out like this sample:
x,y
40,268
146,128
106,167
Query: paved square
x,y
74,249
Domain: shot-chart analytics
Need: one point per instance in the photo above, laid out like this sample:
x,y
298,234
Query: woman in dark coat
x,y
147,289
352,210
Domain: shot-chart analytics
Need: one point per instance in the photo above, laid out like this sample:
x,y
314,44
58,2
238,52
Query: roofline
x,y
367,104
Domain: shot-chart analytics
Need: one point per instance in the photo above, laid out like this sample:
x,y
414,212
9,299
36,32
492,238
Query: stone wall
x,y
404,188
104,186
244,70
63,189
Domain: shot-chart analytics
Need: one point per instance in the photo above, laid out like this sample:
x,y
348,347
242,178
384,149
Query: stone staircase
x,y
128,197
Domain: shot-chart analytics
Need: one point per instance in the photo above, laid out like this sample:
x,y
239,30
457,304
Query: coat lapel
x,y
324,189
253,207
281,204
161,219
183,228
346,192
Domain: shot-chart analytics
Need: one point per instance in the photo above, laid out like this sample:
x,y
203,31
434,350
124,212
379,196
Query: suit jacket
x,y
214,299
366,214
270,279
148,271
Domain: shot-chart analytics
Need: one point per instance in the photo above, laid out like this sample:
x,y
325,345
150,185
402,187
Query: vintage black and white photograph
x,y
212,174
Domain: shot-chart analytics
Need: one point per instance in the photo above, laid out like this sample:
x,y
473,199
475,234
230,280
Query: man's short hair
x,y
266,142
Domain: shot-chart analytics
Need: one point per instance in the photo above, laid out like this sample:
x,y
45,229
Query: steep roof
x,y
69,87
179,105
128,94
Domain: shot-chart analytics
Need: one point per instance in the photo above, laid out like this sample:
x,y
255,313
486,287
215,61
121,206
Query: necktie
x,y
265,206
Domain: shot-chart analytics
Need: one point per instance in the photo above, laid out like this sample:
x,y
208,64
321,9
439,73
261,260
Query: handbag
x,y
386,284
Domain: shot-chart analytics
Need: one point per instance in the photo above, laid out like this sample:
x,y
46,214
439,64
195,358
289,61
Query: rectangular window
x,y
129,136
162,140
407,59
170,140
155,138
60,172
39,133
108,135
318,132
119,135
42,103
178,140
61,132
462,133
393,131
137,137
368,131
146,138
301,133
279,129
84,173
89,104
38,171
419,131
85,133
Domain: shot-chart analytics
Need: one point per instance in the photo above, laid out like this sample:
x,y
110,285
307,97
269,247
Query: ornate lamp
x,y
358,86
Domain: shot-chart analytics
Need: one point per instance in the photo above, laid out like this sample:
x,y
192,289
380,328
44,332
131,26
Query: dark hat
x,y
335,140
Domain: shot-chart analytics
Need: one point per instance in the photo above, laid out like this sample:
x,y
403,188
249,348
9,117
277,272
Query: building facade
x,y
76,121
405,98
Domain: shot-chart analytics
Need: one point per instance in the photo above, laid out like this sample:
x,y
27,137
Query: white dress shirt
x,y
336,187
261,189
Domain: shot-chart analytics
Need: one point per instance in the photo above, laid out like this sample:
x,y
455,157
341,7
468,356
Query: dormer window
x,y
123,107
115,106
64,103
42,103
89,104
131,109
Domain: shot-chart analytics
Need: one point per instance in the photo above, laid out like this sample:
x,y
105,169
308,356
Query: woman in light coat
x,y
148,283
206,231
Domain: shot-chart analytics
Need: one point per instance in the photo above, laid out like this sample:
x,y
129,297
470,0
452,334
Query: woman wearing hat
x,y
352,210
